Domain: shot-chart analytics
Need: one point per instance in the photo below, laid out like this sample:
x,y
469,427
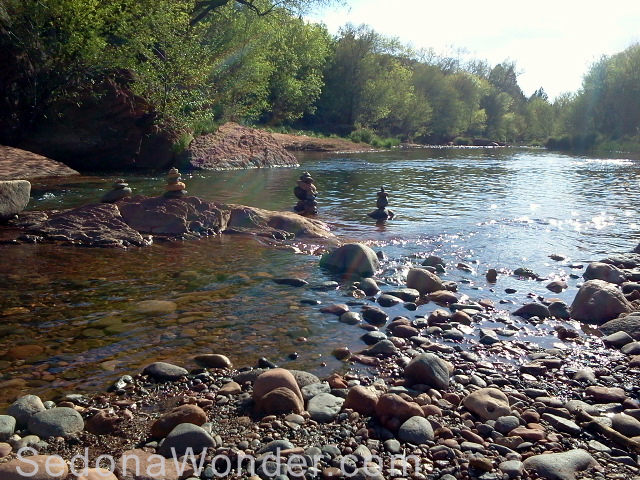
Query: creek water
x,y
77,314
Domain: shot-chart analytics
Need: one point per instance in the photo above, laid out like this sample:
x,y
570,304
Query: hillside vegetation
x,y
197,64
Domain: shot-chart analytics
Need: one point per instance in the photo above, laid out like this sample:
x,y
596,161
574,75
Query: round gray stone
x,y
560,466
416,430
165,371
24,408
7,427
324,407
184,436
428,369
57,422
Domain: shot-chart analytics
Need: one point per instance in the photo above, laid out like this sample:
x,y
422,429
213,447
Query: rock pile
x,y
305,191
118,191
382,212
174,188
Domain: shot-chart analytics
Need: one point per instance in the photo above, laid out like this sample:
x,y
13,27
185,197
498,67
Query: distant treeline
x,y
200,63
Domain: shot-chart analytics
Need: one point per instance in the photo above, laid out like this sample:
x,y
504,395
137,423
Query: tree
x,y
298,52
205,8
351,66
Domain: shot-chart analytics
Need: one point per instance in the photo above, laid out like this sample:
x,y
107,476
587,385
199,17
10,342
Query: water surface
x,y
500,208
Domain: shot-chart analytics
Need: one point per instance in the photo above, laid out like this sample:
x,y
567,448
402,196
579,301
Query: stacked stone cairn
x,y
306,192
382,212
174,187
118,191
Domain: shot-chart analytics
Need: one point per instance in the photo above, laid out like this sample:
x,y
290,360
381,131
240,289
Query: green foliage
x,y
462,141
200,63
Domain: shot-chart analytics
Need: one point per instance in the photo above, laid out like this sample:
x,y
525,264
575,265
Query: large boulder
x,y
19,164
604,271
171,216
598,301
279,225
103,126
234,146
14,197
424,281
352,259
99,225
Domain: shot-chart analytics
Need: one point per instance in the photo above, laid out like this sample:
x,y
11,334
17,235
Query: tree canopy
x,y
258,61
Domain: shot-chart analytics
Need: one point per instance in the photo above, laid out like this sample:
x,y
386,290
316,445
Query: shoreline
x,y
576,400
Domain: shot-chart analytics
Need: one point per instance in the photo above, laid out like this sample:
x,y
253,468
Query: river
x,y
77,313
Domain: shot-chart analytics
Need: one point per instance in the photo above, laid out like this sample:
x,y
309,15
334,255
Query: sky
x,y
553,42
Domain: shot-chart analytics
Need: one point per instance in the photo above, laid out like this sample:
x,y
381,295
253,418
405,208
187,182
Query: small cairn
x,y
118,191
306,192
382,212
174,187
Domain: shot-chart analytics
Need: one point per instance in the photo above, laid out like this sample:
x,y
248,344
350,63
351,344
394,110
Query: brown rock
x,y
487,403
362,400
278,401
20,352
392,405
236,146
598,301
272,379
606,394
231,388
5,449
335,309
443,297
528,434
336,381
182,414
90,225
105,422
424,281
105,126
20,164
461,317
438,317
98,474
405,331
150,467
57,466
213,360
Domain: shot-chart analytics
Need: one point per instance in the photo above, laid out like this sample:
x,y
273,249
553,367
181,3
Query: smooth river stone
x,y
35,468
156,306
561,466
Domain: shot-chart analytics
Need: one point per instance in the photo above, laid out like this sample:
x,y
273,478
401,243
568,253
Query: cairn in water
x,y
306,192
174,187
119,190
382,212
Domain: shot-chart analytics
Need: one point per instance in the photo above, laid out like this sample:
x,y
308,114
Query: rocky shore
x,y
416,402
139,220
